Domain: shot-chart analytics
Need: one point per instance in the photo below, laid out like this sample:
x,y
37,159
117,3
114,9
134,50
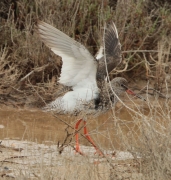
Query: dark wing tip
x,y
112,44
112,50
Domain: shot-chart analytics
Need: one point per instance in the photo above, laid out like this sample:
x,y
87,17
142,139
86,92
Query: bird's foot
x,y
98,152
77,145
77,150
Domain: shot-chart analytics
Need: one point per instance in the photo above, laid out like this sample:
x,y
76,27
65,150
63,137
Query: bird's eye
x,y
122,85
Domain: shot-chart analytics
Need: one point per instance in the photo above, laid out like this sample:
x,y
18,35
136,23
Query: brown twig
x,y
35,70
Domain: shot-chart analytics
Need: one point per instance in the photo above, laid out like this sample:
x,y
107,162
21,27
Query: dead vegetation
x,y
29,71
135,141
144,30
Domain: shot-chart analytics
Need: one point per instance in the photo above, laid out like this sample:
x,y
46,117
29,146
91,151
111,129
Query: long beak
x,y
132,93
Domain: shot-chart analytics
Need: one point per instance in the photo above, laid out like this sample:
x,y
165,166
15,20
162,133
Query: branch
x,y
35,70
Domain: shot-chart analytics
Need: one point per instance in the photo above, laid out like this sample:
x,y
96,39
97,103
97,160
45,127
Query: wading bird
x,y
90,93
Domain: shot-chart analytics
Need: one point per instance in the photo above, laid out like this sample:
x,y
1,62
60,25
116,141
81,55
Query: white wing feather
x,y
79,67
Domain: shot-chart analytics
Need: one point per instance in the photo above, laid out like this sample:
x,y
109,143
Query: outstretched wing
x,y
112,51
79,67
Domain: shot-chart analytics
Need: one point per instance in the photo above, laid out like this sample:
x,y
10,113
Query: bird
x,y
85,75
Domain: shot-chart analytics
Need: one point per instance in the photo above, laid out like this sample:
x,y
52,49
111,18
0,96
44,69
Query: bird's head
x,y
120,85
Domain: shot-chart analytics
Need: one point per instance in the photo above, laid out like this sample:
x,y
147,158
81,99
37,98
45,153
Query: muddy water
x,y
35,125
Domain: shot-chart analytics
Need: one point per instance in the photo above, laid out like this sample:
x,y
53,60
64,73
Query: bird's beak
x,y
132,93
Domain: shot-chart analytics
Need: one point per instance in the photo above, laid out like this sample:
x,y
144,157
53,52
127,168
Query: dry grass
x,y
144,30
142,129
29,72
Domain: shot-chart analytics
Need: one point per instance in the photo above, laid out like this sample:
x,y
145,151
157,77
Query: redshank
x,y
90,93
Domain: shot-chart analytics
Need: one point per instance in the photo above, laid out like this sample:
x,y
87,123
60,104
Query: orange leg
x,y
77,145
77,148
90,140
